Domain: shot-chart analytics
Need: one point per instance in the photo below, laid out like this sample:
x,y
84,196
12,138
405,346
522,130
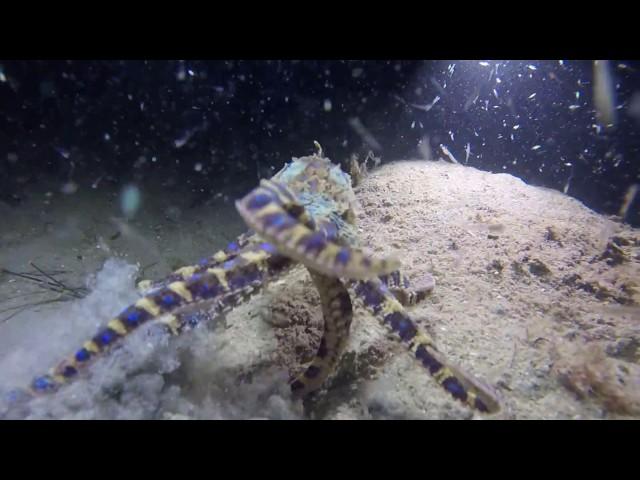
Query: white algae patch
x,y
534,294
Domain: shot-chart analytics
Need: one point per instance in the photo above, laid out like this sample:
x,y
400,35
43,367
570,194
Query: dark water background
x,y
205,127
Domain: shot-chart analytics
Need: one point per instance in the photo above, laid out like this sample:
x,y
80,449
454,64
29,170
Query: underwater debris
x,y
496,267
173,213
365,134
427,107
629,196
601,293
69,188
424,147
552,236
424,108
613,255
539,269
130,200
590,374
627,349
472,99
449,155
359,170
46,281
517,269
49,282
604,93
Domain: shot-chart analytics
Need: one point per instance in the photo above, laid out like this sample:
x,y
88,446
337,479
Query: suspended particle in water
x,y
140,161
629,196
198,167
327,105
604,93
181,74
63,152
130,200
69,188
47,89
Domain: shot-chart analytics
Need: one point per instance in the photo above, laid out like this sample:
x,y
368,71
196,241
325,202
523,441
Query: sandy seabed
x,y
535,294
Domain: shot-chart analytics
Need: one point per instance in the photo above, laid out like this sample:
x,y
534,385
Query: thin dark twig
x,y
28,277
50,284
25,306
58,282
47,285
9,317
55,288
142,270
24,295
32,304
37,274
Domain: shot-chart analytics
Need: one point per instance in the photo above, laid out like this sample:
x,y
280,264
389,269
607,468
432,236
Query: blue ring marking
x,y
267,247
229,264
195,277
133,318
314,242
402,325
43,383
343,256
82,355
106,337
14,396
455,388
168,299
427,360
276,220
312,371
259,200
479,404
